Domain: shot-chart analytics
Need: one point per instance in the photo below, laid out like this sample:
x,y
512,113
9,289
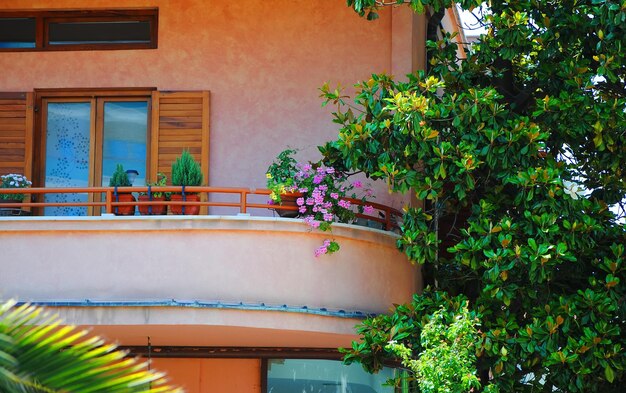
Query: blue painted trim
x,y
204,305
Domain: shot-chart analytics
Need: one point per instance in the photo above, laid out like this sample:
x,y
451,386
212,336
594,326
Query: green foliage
x,y
447,360
161,182
38,356
518,152
119,178
186,171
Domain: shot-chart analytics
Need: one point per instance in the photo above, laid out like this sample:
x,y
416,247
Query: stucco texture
x,y
262,61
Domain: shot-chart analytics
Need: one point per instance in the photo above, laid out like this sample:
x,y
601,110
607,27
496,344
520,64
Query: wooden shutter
x,y
180,120
16,134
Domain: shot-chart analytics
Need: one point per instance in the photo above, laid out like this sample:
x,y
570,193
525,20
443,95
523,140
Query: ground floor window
x,y
324,376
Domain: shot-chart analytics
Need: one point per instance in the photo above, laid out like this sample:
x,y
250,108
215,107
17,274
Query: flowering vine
x,y
323,191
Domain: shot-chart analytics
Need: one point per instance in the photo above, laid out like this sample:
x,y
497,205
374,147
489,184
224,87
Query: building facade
x,y
231,300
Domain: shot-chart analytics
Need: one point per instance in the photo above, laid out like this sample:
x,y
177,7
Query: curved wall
x,y
250,272
205,258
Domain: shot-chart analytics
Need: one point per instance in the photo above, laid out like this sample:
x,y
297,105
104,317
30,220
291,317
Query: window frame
x,y
43,19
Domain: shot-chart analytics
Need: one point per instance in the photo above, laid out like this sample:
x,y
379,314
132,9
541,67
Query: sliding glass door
x,y
83,141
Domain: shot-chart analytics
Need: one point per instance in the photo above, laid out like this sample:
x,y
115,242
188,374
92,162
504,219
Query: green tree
x,y
39,355
519,153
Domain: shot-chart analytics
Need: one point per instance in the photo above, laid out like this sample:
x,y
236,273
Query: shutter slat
x,y
16,128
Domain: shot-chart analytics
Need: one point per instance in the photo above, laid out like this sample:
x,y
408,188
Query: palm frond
x,y
38,354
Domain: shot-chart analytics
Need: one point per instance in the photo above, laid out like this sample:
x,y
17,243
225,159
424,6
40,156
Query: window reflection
x,y
324,376
125,135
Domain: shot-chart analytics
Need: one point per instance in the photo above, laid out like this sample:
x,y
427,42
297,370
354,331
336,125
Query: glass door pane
x,y
68,140
125,132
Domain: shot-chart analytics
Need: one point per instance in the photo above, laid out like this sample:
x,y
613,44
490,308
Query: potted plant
x,y
150,209
281,182
319,194
13,180
186,172
120,179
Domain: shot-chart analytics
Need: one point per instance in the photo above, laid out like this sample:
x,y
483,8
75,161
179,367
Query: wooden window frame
x,y
43,18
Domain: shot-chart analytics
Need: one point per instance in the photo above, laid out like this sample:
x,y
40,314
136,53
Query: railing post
x,y
109,206
243,200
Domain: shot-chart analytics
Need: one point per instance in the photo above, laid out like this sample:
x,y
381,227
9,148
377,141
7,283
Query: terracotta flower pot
x,y
10,211
289,199
124,210
150,209
189,210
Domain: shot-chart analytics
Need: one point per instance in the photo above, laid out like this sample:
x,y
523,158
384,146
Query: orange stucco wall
x,y
263,62
212,375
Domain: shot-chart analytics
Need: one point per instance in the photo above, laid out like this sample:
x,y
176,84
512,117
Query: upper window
x,y
78,29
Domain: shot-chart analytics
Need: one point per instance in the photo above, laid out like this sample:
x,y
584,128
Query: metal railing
x,y
105,199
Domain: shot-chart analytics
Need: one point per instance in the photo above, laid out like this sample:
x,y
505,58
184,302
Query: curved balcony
x,y
197,276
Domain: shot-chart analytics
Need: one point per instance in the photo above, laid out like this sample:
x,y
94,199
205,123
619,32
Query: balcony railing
x,y
242,200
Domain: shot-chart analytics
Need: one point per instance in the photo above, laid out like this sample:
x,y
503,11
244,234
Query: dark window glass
x,y
17,32
101,32
51,30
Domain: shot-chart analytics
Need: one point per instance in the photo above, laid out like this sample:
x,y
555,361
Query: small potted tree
x,y
186,172
150,209
120,179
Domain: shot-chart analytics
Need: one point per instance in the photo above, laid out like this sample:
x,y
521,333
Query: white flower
x,y
572,189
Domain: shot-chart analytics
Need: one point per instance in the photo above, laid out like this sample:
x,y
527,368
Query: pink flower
x,y
345,204
357,184
328,217
318,179
320,251
302,209
330,170
310,220
310,201
368,209
300,201
334,195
